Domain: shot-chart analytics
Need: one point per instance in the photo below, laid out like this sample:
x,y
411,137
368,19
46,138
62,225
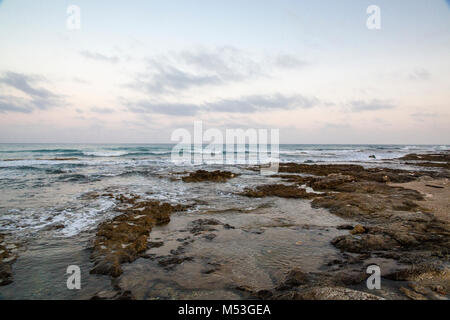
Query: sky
x,y
137,70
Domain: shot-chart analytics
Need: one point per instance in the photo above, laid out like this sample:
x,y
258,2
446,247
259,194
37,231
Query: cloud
x,y
255,103
420,74
169,78
37,98
102,110
422,116
336,126
99,57
206,67
247,104
24,83
289,61
373,105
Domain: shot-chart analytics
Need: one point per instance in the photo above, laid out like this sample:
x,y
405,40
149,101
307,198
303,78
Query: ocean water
x,y
45,206
40,183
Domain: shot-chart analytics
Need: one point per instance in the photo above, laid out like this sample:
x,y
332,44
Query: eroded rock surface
x,y
124,238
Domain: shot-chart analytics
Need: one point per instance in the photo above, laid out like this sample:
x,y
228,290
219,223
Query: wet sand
x,y
436,193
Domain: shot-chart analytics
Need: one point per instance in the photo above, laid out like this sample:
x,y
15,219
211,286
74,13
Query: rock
x,y
412,295
264,294
372,156
5,274
358,172
201,225
358,229
53,227
155,244
124,238
294,278
7,258
418,288
171,261
336,293
105,295
278,190
209,236
345,227
365,243
214,176
439,289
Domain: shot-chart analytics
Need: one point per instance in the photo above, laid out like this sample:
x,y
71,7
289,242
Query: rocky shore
x,y
397,225
394,218
397,230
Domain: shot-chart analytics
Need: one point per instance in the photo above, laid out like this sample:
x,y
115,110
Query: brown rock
x,y
214,176
358,229
278,190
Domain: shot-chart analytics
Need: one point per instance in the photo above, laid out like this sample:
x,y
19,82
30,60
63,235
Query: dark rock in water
x,y
5,274
264,294
358,172
7,258
208,271
214,176
171,261
365,243
294,278
345,227
105,295
154,244
124,238
372,156
412,295
203,225
278,190
358,229
438,157
53,227
308,161
209,236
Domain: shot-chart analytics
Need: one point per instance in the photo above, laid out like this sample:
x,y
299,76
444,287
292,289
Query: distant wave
x,y
41,151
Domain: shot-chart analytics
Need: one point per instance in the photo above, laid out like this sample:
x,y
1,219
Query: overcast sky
x,y
137,70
